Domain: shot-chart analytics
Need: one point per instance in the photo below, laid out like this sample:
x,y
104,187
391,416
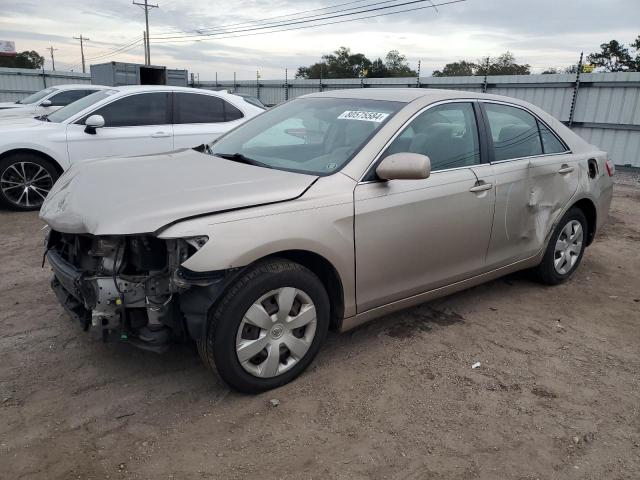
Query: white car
x,y
120,121
47,101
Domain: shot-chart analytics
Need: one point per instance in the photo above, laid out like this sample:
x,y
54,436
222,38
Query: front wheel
x,y
565,249
25,181
268,327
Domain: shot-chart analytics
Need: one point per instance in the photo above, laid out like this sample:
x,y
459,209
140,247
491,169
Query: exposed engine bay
x,y
132,287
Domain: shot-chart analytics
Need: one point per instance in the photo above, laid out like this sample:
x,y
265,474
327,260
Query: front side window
x,y
447,134
308,135
135,110
65,98
514,132
76,107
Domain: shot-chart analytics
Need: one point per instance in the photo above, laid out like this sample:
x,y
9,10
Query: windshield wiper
x,y
240,158
44,118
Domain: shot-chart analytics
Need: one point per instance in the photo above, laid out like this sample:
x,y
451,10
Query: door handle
x,y
565,169
160,135
481,187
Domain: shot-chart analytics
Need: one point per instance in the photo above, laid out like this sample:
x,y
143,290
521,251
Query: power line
x,y
198,30
115,48
146,5
212,37
123,49
309,19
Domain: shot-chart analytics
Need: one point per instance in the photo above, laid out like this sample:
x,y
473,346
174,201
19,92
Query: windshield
x,y
79,105
308,135
36,96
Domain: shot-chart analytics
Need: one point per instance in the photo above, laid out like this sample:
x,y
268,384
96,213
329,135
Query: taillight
x,y
611,169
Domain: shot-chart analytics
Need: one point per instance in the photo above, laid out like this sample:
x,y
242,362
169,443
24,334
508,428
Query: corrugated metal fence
x,y
603,108
17,83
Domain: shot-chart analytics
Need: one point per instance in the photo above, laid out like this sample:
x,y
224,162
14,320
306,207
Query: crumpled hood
x,y
121,196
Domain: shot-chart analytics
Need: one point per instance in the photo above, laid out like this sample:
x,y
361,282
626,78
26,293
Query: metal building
x,y
116,74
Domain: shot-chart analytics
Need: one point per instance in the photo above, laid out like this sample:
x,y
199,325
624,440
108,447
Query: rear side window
x,y
65,98
196,108
447,134
135,110
514,132
550,143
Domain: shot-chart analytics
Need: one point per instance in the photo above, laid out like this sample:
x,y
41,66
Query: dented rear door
x,y
535,178
530,194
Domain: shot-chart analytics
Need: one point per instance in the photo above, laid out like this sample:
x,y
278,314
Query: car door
x,y
200,118
412,236
535,177
136,124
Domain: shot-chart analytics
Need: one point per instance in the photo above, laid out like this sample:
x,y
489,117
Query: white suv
x,y
47,101
120,121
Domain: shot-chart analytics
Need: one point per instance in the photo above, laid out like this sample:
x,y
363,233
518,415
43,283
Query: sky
x,y
542,33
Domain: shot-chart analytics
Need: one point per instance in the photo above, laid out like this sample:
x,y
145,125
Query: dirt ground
x,y
557,394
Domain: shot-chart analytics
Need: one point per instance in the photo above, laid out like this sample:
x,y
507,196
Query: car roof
x,y
407,95
78,86
164,88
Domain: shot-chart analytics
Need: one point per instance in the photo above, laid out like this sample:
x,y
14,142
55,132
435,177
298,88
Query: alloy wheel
x,y
276,332
25,184
568,247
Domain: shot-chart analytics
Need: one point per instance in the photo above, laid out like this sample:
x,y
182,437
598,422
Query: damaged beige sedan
x,y
325,212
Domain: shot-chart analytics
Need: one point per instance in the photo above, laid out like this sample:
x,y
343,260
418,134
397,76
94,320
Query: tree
x,y
378,69
636,60
550,71
344,64
457,69
505,64
613,57
340,64
586,68
26,59
397,65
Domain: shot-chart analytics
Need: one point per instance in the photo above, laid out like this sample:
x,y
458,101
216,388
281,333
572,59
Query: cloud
x,y
542,32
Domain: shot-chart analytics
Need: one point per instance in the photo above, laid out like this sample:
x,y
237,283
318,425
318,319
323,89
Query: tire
x,y
548,271
25,179
264,288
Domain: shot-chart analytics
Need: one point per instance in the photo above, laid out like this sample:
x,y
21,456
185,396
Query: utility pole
x,y
82,40
53,62
144,41
146,5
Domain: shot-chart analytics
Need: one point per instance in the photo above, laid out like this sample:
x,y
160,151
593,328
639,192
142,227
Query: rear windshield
x,y
79,105
307,135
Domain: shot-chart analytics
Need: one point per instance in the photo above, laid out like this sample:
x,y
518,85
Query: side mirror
x,y
45,103
93,122
404,166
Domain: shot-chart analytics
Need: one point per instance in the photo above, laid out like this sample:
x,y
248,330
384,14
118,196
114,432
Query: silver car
x,y
325,212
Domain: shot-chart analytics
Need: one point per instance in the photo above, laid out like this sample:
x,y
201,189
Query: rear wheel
x,y
268,327
565,248
25,181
